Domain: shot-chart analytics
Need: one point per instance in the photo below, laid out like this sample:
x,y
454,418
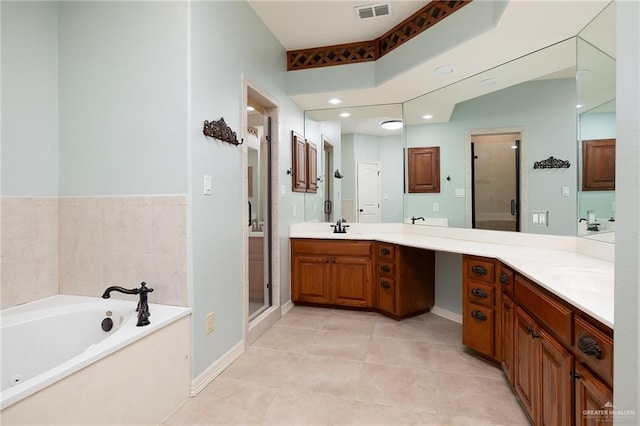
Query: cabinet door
x,y
299,160
312,168
386,295
311,279
592,397
555,393
352,281
599,165
507,325
424,169
525,361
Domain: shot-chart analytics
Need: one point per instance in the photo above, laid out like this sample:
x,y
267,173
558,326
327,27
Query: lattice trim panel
x,y
372,50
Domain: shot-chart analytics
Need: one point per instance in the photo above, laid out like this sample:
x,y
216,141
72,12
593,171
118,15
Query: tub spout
x,y
143,306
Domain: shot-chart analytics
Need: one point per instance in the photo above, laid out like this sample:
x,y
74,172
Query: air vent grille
x,y
373,10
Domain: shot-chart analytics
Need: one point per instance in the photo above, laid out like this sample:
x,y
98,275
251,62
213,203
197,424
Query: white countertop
x,y
553,262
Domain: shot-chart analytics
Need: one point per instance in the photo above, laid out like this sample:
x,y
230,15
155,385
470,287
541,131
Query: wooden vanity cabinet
x,y
405,280
331,272
507,317
591,395
481,313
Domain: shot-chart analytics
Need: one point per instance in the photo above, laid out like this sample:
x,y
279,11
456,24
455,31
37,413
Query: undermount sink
x,y
586,279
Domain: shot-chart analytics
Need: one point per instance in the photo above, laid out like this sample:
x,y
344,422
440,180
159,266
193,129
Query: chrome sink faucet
x,y
143,306
339,228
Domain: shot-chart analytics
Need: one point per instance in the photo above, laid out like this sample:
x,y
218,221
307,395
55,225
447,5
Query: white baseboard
x,y
447,314
286,307
215,369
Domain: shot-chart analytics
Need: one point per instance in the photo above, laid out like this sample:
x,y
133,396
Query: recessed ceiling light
x,y
335,101
391,124
582,73
250,108
579,106
427,117
489,81
446,70
344,114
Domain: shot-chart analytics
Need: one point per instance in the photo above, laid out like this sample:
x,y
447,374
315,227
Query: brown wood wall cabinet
x,y
394,280
558,359
424,169
304,170
599,165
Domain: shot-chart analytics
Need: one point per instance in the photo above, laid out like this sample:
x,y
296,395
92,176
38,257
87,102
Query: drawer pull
x,y
385,284
504,279
476,269
535,335
589,346
507,306
385,268
385,251
529,330
478,315
478,292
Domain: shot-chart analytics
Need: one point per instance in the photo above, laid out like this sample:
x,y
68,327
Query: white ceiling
x,y
526,26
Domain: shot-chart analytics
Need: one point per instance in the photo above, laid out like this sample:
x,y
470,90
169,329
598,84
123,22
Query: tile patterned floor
x,y
320,366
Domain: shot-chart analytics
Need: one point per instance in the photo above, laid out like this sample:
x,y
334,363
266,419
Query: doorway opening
x,y
327,174
261,275
495,181
368,192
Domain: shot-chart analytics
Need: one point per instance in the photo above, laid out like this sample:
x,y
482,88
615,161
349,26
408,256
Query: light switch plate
x,y
564,191
207,184
436,207
459,192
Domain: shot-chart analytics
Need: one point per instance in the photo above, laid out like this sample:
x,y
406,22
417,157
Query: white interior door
x,y
368,192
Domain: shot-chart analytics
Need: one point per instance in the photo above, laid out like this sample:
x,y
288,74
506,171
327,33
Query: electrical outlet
x,y
211,325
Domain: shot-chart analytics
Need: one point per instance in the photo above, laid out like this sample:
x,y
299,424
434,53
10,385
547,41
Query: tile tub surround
x,y
326,366
29,249
538,257
99,241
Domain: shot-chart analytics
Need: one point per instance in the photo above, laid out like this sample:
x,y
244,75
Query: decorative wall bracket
x,y
552,163
219,130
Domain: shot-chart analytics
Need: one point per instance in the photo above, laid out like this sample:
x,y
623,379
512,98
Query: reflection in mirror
x,y
533,98
367,156
596,86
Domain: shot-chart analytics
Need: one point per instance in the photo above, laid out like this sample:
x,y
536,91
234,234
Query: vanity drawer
x,y
331,247
478,329
386,269
480,269
594,348
481,294
545,308
506,280
386,252
386,295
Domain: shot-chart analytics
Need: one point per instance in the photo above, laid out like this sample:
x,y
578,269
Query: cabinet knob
x,y
385,284
507,306
529,330
589,346
478,292
535,335
385,251
504,279
385,268
477,269
480,316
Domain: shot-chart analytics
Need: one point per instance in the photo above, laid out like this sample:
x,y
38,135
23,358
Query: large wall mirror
x,y
596,83
522,112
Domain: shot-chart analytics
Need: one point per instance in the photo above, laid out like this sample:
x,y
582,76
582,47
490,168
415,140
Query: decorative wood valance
x,y
219,130
552,163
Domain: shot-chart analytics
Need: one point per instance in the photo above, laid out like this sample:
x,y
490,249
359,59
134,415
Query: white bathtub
x,y
45,341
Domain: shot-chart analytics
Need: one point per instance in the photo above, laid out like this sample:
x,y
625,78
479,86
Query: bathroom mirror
x,y
596,88
367,158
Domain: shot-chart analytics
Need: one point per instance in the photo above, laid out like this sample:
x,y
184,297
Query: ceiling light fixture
x,y
427,117
344,114
250,108
489,82
579,106
391,124
335,101
446,70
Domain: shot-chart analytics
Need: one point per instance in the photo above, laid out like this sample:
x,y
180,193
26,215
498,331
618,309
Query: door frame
x,y
356,207
523,175
254,329
327,181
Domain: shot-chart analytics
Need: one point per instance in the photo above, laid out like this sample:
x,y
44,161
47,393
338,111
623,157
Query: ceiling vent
x,y
373,10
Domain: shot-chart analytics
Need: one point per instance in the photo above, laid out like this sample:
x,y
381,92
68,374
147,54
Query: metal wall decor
x,y
219,130
552,163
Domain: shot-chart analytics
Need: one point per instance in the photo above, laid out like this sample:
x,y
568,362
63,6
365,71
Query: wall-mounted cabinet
x,y
424,169
599,165
304,170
